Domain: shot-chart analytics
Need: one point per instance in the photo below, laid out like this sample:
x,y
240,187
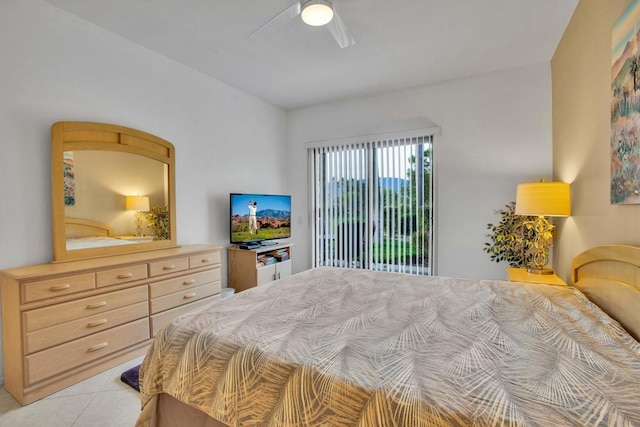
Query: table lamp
x,y
139,204
542,199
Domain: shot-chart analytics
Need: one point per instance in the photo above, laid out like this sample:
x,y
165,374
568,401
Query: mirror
x,y
113,191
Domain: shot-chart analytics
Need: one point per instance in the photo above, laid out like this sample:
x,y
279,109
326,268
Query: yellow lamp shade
x,y
543,199
137,203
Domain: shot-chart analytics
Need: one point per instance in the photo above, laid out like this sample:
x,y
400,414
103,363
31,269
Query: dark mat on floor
x,y
131,377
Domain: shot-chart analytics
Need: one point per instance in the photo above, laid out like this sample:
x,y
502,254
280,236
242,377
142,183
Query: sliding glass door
x,y
372,205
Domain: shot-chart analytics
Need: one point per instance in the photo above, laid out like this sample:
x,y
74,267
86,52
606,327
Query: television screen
x,y
257,217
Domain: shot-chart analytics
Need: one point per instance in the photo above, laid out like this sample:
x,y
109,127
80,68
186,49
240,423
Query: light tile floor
x,y
99,401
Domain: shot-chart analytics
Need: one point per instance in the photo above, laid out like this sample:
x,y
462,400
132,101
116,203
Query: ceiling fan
x,y
314,13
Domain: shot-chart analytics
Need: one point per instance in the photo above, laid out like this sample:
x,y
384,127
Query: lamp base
x,y
534,270
138,224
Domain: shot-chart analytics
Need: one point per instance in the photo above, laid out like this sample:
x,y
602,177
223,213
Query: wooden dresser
x,y
62,323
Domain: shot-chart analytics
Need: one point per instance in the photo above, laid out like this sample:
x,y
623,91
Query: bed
x,y
346,347
84,233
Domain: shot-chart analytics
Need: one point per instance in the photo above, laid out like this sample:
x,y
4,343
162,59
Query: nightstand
x,y
522,275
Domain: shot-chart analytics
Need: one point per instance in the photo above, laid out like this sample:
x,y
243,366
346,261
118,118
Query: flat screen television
x,y
259,217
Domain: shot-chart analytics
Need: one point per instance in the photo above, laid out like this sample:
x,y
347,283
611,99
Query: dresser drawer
x,y
161,319
47,363
210,258
49,337
45,317
122,275
184,297
185,282
168,266
43,289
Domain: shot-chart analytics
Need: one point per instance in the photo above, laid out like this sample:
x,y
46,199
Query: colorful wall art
x,y
625,107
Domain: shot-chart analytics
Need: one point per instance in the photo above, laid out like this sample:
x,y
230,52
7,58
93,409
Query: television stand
x,y
254,267
268,243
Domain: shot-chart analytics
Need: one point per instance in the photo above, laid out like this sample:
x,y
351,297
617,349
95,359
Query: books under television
x,y
265,260
259,217
281,255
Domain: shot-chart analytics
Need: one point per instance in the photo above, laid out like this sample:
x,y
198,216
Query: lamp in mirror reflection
x,y
541,200
139,204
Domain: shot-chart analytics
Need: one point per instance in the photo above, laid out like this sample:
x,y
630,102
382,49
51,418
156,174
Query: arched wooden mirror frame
x,y
74,136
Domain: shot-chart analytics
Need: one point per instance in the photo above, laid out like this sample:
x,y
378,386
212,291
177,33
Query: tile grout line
x,y
95,394
100,391
84,409
104,388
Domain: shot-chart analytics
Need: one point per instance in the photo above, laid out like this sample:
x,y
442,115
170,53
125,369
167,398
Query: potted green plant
x,y
158,221
516,239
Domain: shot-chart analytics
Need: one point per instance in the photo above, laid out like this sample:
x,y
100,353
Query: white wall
x,y
56,67
581,68
496,133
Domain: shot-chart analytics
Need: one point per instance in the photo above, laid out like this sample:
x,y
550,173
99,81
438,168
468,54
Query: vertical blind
x,y
372,205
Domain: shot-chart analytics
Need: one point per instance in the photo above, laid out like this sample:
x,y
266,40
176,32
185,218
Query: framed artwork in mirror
x,y
69,182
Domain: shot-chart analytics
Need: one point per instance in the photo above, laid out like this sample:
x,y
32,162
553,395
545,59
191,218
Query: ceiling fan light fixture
x,y
317,12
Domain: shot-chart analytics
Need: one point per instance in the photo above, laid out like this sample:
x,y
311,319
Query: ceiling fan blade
x,y
279,20
340,32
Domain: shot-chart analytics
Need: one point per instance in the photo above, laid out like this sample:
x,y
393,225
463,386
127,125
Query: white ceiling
x,y
399,43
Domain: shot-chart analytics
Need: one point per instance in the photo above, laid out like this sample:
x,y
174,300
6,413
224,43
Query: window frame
x,y
372,142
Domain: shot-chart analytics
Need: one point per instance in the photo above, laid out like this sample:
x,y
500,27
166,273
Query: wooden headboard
x,y
610,277
78,227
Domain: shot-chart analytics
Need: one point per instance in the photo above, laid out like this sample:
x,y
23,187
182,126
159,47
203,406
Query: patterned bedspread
x,y
341,347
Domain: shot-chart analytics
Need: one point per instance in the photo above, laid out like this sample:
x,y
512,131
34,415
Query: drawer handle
x,y
96,305
205,260
169,267
96,323
189,282
125,275
98,346
59,287
191,295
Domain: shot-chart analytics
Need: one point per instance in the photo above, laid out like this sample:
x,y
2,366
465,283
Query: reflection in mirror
x,y
97,184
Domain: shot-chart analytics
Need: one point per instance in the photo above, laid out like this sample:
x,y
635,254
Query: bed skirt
x,y
164,410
